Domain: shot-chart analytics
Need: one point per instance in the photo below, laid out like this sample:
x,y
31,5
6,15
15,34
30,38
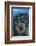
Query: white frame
x,y
30,24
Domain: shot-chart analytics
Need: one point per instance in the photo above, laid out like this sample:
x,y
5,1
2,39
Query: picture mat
x,y
30,25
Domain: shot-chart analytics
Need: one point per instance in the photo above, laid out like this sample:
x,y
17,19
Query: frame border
x,y
7,22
